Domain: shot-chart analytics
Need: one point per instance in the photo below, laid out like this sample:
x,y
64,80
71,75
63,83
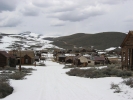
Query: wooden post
x,y
122,59
35,64
126,58
20,62
131,59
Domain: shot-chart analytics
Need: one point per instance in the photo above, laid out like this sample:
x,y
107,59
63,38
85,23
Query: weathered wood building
x,y
27,57
7,60
127,51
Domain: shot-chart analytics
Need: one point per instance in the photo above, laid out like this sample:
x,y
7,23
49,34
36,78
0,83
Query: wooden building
x,y
127,51
7,60
83,60
80,60
69,59
61,58
99,60
27,57
4,59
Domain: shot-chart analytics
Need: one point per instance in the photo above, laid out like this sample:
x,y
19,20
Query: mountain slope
x,y
26,40
102,40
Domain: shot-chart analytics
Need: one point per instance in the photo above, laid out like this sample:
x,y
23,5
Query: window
x,y
89,61
26,61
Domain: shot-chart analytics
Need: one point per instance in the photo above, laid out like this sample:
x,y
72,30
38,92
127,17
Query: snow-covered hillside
x,y
26,40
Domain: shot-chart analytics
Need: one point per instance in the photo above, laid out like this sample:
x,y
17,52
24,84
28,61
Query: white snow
x,y
111,48
34,34
52,83
6,42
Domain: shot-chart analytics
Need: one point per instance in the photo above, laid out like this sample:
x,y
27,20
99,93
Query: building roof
x,y
61,55
127,40
96,58
5,53
83,59
69,57
30,53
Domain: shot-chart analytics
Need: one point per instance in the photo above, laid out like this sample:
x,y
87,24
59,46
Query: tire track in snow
x,y
62,87
56,85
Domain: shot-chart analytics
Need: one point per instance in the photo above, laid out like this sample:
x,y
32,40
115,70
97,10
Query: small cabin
x,y
61,58
69,59
99,60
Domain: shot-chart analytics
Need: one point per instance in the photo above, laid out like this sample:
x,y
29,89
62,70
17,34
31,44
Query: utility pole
x,y
19,59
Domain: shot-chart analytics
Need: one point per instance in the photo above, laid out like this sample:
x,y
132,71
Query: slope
x,y
102,40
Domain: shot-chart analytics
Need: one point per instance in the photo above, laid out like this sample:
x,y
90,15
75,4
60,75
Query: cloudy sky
x,y
65,17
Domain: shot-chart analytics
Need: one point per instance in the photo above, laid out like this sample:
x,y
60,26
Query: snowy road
x,y
51,83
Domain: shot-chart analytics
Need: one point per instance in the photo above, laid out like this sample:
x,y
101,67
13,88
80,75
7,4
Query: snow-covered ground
x,y
51,83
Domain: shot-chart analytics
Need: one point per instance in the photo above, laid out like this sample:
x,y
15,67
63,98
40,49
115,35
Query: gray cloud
x,y
42,3
10,19
63,9
30,13
74,16
56,22
6,5
57,25
66,16
111,2
11,23
67,10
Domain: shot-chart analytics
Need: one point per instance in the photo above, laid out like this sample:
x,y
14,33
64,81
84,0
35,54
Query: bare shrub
x,y
10,68
96,73
117,90
68,66
114,86
124,73
17,75
6,72
128,82
5,88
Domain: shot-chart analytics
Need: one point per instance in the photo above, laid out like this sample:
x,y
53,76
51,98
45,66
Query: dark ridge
x,y
101,40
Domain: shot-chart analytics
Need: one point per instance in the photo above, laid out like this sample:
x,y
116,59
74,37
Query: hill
x,y
27,41
101,41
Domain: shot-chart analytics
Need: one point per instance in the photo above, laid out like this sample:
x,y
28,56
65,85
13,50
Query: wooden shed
x,y
80,61
99,60
83,60
127,51
61,57
69,59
